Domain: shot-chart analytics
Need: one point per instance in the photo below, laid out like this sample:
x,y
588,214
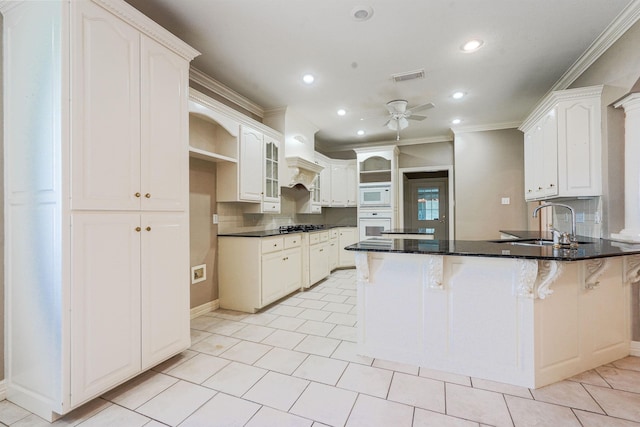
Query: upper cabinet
x,y
140,86
563,145
248,154
337,182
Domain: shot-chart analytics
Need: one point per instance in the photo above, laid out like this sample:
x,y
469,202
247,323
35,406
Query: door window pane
x,y
428,204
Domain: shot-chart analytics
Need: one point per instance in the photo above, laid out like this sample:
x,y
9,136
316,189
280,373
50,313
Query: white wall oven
x,y
372,224
375,195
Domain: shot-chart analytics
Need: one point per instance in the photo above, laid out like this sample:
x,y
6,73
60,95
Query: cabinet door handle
x,y
137,194
148,195
321,250
138,229
148,228
551,185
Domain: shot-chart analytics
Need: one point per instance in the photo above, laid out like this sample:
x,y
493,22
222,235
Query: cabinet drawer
x,y
333,233
314,238
292,241
271,207
272,244
324,236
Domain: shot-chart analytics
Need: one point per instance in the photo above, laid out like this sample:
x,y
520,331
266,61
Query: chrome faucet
x,y
561,238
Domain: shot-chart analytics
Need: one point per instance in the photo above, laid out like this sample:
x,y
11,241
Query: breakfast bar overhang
x,y
516,313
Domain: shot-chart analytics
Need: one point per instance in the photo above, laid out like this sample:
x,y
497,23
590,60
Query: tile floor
x,y
295,365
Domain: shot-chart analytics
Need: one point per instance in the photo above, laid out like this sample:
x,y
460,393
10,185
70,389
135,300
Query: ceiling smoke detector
x,y
361,13
410,75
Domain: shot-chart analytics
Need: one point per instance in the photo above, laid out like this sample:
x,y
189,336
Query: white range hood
x,y
301,172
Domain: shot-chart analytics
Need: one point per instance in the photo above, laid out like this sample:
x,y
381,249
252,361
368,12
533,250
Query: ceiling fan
x,y
400,114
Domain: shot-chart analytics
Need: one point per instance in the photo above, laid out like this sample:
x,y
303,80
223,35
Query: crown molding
x,y
609,36
218,88
487,127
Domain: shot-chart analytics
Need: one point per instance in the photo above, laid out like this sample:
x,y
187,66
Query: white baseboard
x,y
3,390
635,348
205,308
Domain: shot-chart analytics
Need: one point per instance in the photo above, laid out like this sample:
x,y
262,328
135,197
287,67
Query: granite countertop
x,y
589,248
276,232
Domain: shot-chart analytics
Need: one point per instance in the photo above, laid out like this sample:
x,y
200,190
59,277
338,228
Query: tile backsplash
x,y
588,216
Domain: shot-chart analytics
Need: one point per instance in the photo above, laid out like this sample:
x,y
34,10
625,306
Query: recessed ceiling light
x,y
342,112
472,45
361,13
360,132
458,95
456,121
308,78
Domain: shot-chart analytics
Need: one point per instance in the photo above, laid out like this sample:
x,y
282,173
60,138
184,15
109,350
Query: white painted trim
x,y
634,348
609,36
205,308
488,127
449,169
3,390
216,87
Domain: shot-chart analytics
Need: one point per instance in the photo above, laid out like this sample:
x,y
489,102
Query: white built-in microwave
x,y
375,195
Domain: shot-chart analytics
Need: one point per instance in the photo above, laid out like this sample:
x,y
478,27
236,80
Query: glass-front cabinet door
x,y
271,185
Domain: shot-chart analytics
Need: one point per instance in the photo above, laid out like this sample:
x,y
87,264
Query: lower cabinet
x,y
318,256
253,272
334,249
346,236
130,305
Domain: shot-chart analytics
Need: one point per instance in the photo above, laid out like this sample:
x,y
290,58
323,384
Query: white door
x,y
272,277
164,127
165,286
318,262
250,164
105,132
105,302
292,270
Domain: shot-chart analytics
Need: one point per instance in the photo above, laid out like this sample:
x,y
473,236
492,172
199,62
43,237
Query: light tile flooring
x,y
295,364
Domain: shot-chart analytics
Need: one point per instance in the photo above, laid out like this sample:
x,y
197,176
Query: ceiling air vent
x,y
411,75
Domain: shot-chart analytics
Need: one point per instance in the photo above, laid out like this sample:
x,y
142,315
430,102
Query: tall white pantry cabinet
x,y
96,199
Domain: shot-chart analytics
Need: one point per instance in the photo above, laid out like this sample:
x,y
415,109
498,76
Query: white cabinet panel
x,y
105,147
352,183
292,270
251,159
347,236
165,286
105,295
164,167
318,262
338,185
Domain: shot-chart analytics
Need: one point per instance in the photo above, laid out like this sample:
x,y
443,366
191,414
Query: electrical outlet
x,y
215,218
506,200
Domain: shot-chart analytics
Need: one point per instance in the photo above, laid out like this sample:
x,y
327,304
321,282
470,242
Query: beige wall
x,y
429,154
203,233
489,166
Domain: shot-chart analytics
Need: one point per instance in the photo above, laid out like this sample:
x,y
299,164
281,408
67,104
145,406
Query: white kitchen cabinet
x,y
352,183
243,181
334,249
126,270
271,184
324,180
338,185
541,158
139,86
318,256
253,272
91,302
563,145
346,236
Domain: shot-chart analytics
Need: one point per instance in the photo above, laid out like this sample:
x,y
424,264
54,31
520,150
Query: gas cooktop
x,y
300,227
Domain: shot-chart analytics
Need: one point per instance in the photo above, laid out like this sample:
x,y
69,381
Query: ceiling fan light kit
x,y
400,114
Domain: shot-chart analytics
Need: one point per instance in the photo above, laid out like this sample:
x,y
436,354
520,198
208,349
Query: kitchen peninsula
x,y
514,311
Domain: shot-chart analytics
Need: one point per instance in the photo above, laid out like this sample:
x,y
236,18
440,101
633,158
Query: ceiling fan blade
x,y
423,107
416,117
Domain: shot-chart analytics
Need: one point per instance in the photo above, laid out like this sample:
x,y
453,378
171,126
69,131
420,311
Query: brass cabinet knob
x,y
137,194
148,228
148,195
138,229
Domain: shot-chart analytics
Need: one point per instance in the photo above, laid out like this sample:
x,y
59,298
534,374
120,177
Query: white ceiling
x,y
261,49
